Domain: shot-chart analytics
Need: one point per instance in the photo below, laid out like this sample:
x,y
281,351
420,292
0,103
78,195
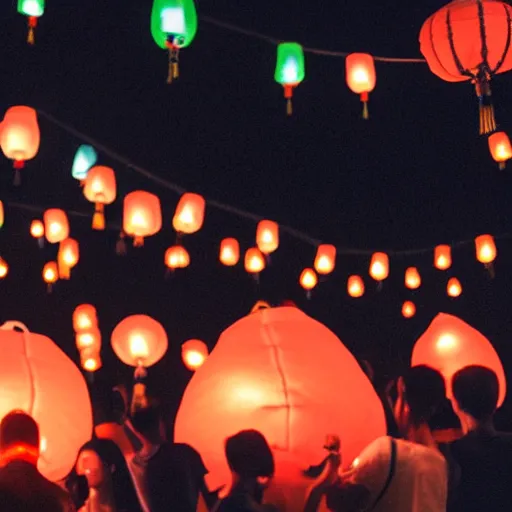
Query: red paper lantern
x,y
189,215
485,249
308,279
176,257
361,76
194,353
266,373
84,318
254,261
38,378
408,309
142,216
454,288
267,236
56,225
379,266
500,148
449,344
325,259
443,257
355,286
470,40
412,278
229,252
4,268
100,188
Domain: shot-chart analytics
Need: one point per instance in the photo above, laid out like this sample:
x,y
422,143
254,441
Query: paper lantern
x,y
20,136
39,379
85,158
470,40
443,257
254,261
267,236
50,274
308,279
408,309
449,344
500,148
4,268
56,225
379,266
68,256
194,353
37,229
84,318
173,27
100,188
355,286
33,9
361,76
2,214
412,278
485,249
177,257
265,374
139,340
290,70
325,259
189,215
90,360
88,339
142,215
229,252
454,288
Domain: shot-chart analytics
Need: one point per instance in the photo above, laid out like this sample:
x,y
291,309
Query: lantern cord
x,y
317,51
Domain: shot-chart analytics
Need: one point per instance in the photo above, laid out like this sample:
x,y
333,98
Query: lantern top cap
x,y
13,325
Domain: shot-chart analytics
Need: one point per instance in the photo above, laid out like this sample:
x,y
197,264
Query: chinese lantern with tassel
x,y
355,286
308,280
4,268
470,40
100,188
20,137
67,257
173,27
33,9
85,158
267,236
454,288
325,259
50,274
486,251
56,225
500,148
37,231
189,215
142,216
443,257
290,70
229,252
194,353
361,77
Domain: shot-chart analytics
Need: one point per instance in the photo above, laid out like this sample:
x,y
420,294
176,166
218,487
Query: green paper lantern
x,y
31,8
173,23
85,158
290,69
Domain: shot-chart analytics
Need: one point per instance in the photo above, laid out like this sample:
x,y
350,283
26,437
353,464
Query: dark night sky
x,y
415,175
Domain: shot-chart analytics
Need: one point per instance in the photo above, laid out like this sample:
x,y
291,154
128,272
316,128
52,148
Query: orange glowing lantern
x,y
50,274
194,353
37,231
500,148
308,279
443,257
43,382
84,318
267,236
142,216
242,386
454,288
254,261
56,225
412,278
449,344
68,256
4,268
408,309
485,249
2,213
177,257
189,215
355,286
90,360
229,252
20,136
379,266
361,76
89,339
100,188
325,259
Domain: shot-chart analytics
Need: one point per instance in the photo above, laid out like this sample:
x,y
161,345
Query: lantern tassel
x,y
502,165
174,71
32,23
289,107
487,118
379,286
40,242
308,294
364,100
138,241
139,399
288,93
17,178
98,219
490,269
49,288
121,245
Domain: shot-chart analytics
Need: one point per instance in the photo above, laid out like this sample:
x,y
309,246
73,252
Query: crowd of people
x,y
130,465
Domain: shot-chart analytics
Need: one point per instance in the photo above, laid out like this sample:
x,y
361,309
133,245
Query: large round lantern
x,y
142,215
100,188
38,378
282,373
449,344
470,40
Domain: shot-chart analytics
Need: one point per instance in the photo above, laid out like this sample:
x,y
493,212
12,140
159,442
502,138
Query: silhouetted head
x,y
19,436
149,423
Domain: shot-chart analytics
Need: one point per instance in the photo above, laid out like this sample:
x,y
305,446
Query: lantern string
x,y
317,51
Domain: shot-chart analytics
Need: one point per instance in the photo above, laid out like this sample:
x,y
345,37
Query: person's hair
x,y
18,427
249,455
147,421
425,392
476,390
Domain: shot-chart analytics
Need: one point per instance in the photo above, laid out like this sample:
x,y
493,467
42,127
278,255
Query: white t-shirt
x,y
420,482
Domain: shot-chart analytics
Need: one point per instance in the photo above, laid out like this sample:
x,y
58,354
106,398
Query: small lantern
x,y
361,77
454,288
142,216
84,318
20,137
408,309
254,261
308,280
100,188
50,274
229,252
37,231
68,256
4,268
85,158
90,360
443,257
189,215
267,236
290,70
177,257
485,249
355,286
2,213
194,353
379,266
56,225
412,278
89,339
33,9
500,148
325,259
